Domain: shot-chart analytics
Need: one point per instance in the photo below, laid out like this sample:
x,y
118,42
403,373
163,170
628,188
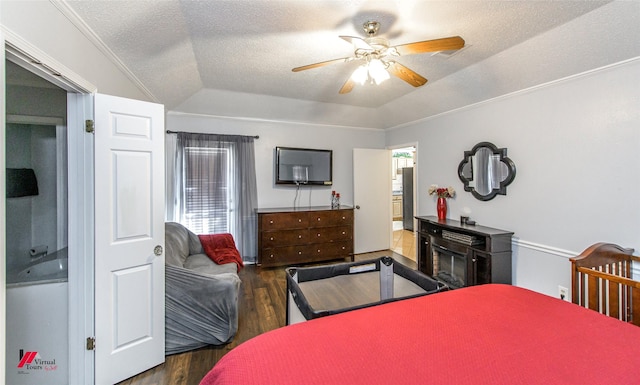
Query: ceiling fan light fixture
x,y
378,71
378,55
360,74
375,71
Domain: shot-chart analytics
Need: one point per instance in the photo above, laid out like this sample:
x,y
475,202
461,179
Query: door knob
x,y
357,207
157,250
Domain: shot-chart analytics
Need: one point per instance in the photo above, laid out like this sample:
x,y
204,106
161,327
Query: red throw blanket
x,y
221,248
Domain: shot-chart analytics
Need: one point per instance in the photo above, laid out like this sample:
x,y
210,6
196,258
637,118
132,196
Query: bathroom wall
x,y
32,220
18,210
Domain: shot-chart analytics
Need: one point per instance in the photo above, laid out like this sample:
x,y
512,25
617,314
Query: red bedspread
x,y
488,334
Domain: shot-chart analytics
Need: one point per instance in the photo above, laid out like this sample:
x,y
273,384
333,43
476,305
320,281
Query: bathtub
x,y
37,340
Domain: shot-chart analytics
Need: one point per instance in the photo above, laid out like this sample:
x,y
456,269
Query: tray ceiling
x,y
187,51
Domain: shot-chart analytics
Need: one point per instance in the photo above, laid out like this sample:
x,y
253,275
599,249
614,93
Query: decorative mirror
x,y
486,171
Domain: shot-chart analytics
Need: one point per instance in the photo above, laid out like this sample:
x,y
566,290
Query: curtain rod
x,y
177,132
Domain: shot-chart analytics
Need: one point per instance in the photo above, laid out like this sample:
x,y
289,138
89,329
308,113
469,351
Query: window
x,y
208,190
212,187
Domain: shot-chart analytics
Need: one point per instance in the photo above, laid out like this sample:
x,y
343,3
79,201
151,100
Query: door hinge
x,y
89,126
91,343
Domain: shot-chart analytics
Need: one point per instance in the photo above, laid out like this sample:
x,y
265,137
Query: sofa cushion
x,y
195,247
203,264
177,242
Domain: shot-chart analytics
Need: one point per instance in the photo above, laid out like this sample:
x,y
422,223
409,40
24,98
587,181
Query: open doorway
x,y
402,182
36,224
40,100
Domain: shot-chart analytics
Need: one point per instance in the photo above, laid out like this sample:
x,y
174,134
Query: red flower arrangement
x,y
442,192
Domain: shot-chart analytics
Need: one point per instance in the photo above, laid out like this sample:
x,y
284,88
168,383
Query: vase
x,y
442,208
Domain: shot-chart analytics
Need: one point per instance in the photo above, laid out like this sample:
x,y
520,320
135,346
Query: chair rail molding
x,y
544,248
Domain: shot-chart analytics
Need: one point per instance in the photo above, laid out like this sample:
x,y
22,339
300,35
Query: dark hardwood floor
x,y
262,308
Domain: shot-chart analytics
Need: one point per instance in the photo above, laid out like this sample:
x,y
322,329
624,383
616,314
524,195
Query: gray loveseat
x,y
201,296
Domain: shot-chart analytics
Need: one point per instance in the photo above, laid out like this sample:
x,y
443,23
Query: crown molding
x,y
264,120
77,21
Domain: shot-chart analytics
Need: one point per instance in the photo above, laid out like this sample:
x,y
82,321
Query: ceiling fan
x,y
378,57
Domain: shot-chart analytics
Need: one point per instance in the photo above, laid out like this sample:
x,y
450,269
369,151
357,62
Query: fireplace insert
x,y
449,267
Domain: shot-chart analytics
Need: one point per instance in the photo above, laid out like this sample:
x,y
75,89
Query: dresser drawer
x,y
278,238
330,234
331,218
283,221
290,255
285,255
323,251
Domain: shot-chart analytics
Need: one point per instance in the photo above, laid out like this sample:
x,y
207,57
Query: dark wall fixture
x,y
21,182
486,171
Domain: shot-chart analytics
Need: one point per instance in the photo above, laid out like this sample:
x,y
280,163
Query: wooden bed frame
x,y
601,280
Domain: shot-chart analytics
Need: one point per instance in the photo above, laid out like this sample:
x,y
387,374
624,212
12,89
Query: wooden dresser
x,y
289,236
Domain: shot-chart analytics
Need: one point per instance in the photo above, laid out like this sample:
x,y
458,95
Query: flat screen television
x,y
300,166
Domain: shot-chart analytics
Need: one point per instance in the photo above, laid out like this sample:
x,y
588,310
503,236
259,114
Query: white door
x,y
372,199
129,226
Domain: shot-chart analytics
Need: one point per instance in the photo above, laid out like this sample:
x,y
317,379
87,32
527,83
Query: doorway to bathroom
x,y
36,236
402,195
90,152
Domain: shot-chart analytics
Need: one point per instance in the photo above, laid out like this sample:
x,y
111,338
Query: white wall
x,y
575,144
339,139
41,24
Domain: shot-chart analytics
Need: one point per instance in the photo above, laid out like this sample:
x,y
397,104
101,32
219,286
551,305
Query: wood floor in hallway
x,y
404,243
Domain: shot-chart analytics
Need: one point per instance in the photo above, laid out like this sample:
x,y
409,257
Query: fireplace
x,y
462,255
449,267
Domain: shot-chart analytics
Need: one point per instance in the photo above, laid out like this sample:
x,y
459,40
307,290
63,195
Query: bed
x,y
494,333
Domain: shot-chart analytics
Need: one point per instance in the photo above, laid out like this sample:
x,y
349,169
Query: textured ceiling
x,y
182,49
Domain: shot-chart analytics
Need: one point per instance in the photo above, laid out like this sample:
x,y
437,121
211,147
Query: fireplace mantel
x,y
486,251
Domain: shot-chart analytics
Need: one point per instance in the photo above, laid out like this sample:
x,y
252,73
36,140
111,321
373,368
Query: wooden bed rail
x,y
601,280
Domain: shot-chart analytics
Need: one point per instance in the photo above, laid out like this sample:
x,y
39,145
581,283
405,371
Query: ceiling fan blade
x,y
357,42
347,86
321,64
444,44
406,74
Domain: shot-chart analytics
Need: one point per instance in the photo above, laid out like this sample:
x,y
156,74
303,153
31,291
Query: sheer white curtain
x,y
213,187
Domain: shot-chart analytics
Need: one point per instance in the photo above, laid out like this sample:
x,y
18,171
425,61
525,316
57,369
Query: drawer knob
x,y
318,250
271,239
299,236
318,219
299,252
299,220
344,232
344,218
271,222
271,256
318,234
